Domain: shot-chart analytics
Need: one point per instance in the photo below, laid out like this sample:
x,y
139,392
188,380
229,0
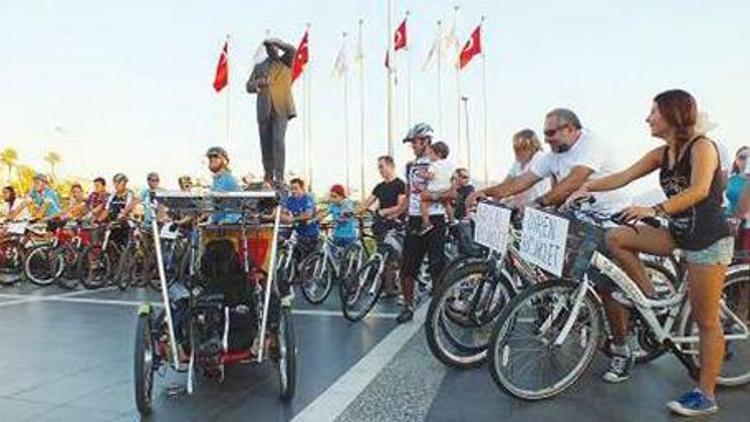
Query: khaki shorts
x,y
720,253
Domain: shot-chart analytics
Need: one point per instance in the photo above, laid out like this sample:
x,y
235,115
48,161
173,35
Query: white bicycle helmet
x,y
420,130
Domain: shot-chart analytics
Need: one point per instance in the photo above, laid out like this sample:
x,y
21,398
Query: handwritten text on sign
x,y
491,227
543,240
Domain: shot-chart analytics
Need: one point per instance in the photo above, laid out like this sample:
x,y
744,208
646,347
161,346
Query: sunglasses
x,y
551,132
153,180
214,156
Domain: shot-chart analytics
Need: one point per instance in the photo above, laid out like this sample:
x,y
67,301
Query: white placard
x,y
543,240
17,228
492,227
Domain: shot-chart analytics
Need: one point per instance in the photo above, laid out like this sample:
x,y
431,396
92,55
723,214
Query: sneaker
x,y
619,369
406,315
694,403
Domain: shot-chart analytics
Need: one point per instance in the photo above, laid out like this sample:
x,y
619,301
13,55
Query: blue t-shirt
x,y
735,185
343,216
298,206
225,182
50,196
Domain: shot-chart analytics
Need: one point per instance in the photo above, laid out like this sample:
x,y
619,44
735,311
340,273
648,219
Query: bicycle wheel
x,y
143,365
94,267
316,277
352,260
68,278
523,357
462,313
287,355
11,262
359,295
42,265
735,299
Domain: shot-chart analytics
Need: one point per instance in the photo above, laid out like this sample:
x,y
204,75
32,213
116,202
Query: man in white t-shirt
x,y
576,156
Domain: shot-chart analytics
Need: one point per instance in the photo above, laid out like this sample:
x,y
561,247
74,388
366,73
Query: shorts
x,y
719,253
431,244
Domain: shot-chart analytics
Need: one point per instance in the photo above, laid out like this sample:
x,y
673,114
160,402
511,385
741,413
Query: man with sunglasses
x,y
576,156
153,186
224,181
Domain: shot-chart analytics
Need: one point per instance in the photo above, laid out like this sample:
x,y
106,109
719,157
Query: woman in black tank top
x,y
690,176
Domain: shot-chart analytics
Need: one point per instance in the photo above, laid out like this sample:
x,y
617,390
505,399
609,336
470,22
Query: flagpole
x,y
458,95
440,78
227,96
361,71
408,77
305,115
391,139
308,114
346,121
465,101
486,120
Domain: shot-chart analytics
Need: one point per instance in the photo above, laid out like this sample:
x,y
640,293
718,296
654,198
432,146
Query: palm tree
x,y
9,157
53,159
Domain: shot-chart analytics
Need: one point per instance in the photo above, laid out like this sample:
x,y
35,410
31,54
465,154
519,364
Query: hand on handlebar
x,y
578,197
473,199
635,213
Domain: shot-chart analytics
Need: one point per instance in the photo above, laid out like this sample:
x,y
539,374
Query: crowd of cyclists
x,y
415,219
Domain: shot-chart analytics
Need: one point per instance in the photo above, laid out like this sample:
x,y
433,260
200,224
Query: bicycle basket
x,y
584,238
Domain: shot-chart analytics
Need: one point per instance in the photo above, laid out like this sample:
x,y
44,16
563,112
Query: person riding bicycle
x,y
43,201
577,155
416,245
299,209
342,211
76,208
97,200
388,199
149,214
690,175
223,181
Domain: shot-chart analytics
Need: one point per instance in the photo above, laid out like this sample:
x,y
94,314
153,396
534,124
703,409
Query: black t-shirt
x,y
388,192
463,192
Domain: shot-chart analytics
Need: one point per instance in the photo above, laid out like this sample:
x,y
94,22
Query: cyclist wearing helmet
x,y
416,246
224,181
121,203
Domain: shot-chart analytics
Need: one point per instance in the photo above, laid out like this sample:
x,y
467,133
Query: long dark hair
x,y
680,111
11,196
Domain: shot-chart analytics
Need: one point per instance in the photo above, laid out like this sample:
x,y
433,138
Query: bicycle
x,y
563,316
137,263
56,262
19,237
99,260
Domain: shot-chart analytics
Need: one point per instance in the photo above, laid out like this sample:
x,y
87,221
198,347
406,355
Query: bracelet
x,y
660,211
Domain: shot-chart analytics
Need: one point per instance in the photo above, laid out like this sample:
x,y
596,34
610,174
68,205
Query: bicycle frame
x,y
679,306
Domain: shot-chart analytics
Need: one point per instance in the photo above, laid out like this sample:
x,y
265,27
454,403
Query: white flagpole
x,y
408,75
346,118
305,118
460,154
465,101
440,78
308,116
361,70
391,58
227,96
486,119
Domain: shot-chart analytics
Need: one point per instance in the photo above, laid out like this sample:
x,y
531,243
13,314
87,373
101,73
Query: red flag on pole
x,y
301,59
399,40
221,79
472,47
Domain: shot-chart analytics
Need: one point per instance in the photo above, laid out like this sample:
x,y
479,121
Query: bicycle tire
x,y
499,350
41,265
316,276
450,347
369,290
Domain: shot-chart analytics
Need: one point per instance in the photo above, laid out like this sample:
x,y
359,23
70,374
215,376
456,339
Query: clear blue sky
x,y
130,82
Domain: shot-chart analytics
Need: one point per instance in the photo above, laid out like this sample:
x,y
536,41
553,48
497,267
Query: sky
x,y
126,86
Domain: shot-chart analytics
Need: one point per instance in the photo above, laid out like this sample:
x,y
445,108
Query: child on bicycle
x,y
439,181
342,211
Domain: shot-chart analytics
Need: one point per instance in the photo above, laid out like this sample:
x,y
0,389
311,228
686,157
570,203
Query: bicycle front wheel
x,y
316,276
360,293
42,265
525,359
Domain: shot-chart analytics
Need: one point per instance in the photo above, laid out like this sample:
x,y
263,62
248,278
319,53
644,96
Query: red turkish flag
x,y
301,59
221,79
399,40
472,47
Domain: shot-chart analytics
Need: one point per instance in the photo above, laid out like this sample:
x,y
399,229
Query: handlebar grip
x,y
651,221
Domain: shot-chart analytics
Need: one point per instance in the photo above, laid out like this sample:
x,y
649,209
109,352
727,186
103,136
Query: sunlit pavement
x,y
68,356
